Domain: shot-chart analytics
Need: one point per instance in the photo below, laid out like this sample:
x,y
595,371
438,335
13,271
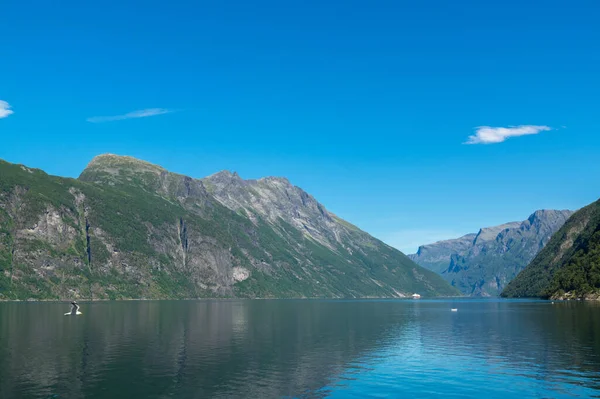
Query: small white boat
x,y
74,310
416,296
454,310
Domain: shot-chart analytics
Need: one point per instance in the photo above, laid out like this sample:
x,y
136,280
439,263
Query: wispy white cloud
x,y
493,135
409,240
5,109
143,113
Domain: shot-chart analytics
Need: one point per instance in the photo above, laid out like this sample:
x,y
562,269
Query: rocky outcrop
x,y
483,264
438,256
130,229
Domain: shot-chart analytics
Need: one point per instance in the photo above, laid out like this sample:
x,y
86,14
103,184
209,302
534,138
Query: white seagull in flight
x,y
74,310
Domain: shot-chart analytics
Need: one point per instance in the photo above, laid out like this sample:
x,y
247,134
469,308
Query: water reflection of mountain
x,y
186,349
264,349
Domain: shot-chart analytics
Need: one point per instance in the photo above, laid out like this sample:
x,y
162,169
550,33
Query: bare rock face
x,y
274,199
483,264
130,229
438,255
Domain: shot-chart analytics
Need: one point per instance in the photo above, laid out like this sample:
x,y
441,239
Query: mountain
x,y
130,229
569,266
482,264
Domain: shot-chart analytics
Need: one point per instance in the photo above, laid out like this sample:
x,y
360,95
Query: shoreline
x,y
83,300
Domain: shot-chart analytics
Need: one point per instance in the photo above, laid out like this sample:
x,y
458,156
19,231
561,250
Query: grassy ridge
x,y
570,262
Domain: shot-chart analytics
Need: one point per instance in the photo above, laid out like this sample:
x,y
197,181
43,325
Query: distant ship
x,y
416,296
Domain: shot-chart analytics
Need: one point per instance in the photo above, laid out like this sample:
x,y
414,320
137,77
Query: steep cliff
x,y
482,264
130,229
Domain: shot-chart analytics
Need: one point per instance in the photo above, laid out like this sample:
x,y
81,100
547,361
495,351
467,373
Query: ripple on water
x,y
301,349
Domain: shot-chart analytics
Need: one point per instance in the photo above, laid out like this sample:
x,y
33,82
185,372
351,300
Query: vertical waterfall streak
x,y
183,239
87,239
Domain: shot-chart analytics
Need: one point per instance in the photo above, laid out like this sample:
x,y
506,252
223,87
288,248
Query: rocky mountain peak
x,y
438,254
112,169
223,181
275,198
487,234
548,216
108,161
224,175
486,263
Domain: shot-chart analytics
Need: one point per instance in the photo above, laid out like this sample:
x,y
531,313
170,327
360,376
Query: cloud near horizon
x,y
143,113
493,135
5,109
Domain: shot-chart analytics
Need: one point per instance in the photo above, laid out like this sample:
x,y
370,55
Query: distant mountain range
x,y
569,265
130,229
482,264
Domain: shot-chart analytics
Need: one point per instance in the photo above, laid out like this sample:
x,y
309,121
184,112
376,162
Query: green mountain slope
x,y
482,264
130,229
569,266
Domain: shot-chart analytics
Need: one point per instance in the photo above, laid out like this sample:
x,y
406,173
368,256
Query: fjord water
x,y
301,349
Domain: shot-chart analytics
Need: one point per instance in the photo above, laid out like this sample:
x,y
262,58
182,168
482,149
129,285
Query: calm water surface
x,y
301,349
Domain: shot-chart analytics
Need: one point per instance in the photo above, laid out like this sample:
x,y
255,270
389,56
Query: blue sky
x,y
366,105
